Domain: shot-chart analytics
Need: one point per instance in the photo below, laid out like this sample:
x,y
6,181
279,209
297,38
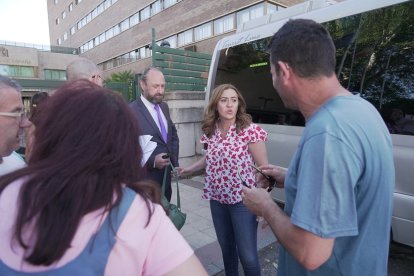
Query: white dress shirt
x,y
151,108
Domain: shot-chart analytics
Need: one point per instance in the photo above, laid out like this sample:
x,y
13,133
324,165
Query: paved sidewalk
x,y
199,230
199,233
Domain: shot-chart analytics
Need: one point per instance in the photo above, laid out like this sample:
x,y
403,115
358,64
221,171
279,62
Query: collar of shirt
x,y
151,108
231,129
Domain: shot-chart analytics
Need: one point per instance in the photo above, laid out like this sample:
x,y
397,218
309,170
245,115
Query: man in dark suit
x,y
154,119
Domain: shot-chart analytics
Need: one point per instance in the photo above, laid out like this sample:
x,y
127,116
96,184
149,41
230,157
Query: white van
x,y
375,59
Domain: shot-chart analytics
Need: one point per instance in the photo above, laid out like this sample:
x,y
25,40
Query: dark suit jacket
x,y
149,126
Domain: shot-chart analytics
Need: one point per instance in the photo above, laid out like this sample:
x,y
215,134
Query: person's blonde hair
x,y
211,115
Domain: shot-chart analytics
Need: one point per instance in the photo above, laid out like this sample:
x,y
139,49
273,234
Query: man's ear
x,y
142,84
284,68
285,71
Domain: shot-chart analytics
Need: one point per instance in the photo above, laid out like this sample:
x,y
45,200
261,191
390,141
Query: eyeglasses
x,y
241,178
97,77
272,181
21,115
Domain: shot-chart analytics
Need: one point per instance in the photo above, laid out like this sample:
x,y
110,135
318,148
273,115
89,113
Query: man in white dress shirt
x,y
154,119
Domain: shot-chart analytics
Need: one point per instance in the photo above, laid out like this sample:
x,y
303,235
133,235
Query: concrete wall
x,y
186,109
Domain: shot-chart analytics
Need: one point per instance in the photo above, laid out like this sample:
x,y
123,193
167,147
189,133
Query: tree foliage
x,y
124,76
124,83
375,55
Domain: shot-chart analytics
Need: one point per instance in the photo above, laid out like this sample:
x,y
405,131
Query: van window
x,y
375,59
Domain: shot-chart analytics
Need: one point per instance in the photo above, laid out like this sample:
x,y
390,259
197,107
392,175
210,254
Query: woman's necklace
x,y
223,130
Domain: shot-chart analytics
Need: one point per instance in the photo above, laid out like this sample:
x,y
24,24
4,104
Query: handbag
x,y
174,211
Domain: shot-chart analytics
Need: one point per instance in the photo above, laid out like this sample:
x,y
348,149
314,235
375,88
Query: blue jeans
x,y
236,230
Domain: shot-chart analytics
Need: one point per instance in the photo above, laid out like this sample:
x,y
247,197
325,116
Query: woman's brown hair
x,y
211,115
86,148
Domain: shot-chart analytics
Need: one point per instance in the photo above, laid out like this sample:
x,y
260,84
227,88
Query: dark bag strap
x,y
176,182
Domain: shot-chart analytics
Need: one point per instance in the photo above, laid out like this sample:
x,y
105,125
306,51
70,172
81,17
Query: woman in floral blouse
x,y
233,144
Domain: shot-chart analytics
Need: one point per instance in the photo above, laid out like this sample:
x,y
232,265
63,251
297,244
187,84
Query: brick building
x,y
116,34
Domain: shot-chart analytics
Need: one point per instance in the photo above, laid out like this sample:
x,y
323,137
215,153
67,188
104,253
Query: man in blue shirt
x,y
339,184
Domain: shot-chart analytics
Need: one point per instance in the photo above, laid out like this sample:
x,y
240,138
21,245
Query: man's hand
x,y
159,162
278,173
257,200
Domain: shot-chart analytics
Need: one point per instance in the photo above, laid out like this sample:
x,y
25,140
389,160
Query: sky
x,y
24,21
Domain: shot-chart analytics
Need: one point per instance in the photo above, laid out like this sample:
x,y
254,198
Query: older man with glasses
x,y
13,121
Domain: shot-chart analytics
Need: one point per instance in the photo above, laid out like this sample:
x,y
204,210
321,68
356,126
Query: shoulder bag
x,y
174,211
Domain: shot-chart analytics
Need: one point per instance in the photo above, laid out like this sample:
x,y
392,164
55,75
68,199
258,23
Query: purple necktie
x,y
162,126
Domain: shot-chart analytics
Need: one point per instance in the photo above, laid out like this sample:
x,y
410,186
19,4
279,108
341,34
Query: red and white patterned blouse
x,y
224,157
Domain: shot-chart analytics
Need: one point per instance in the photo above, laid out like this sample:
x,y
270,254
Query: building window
x,y
100,8
108,64
250,13
70,7
134,55
82,23
134,20
117,61
224,24
65,36
257,11
243,16
96,41
145,13
94,13
172,40
107,4
88,18
156,7
125,58
72,30
271,8
57,21
84,47
59,41
169,3
51,74
102,38
109,34
141,52
56,1
17,71
125,25
116,29
202,32
185,37
64,15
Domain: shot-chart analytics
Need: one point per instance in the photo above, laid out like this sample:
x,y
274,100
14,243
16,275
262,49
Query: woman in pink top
x,y
78,208
233,144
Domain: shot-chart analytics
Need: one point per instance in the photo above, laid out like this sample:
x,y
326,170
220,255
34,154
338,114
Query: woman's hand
x,y
183,171
198,165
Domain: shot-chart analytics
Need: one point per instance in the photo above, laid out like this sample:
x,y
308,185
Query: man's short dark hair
x,y
306,46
